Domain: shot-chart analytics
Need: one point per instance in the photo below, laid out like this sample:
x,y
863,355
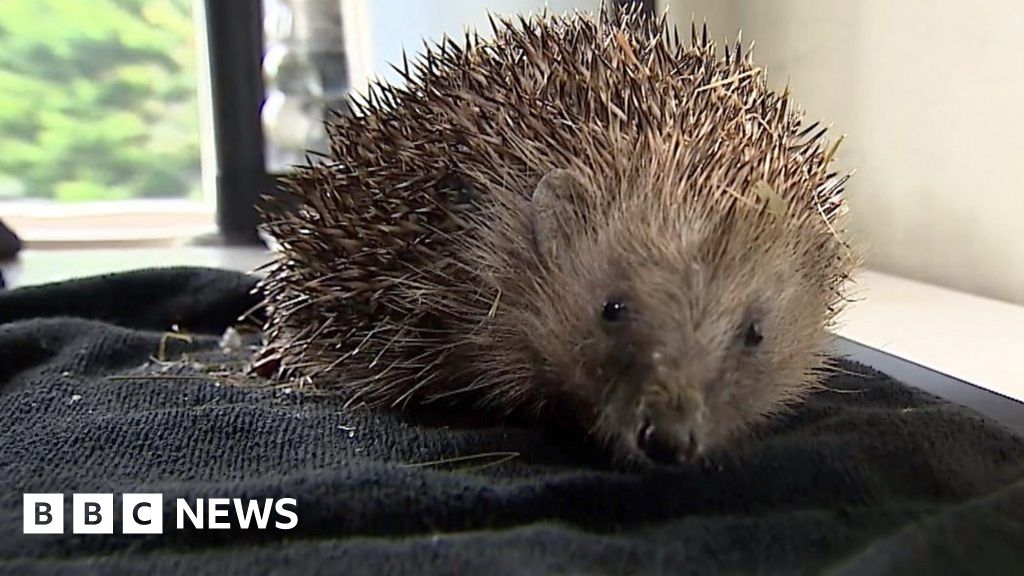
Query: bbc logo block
x,y
142,514
92,513
43,514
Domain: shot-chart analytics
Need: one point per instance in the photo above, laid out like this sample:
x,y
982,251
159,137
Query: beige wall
x,y
931,96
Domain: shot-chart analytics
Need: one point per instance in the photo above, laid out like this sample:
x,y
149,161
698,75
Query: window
x,y
99,117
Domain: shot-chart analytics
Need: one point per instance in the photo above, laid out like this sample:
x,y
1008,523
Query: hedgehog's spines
x,y
382,267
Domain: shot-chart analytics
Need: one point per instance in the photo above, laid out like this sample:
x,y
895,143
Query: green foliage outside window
x,y
98,100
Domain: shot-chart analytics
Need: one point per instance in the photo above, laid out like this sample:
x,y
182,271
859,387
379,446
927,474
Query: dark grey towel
x,y
869,476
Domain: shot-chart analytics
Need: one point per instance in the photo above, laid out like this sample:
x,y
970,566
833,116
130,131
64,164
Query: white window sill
x,y
156,222
968,337
36,266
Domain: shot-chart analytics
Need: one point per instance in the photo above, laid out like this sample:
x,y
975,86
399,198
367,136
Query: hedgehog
x,y
580,218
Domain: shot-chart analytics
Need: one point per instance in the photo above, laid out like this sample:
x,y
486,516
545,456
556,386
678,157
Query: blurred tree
x,y
97,99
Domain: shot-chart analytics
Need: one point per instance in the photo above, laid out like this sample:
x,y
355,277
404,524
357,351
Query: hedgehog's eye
x,y
752,337
613,311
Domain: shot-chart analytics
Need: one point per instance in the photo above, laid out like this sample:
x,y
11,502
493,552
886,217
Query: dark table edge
x,y
1003,409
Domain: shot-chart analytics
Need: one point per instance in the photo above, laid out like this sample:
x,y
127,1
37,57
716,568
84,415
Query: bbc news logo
x,y
143,513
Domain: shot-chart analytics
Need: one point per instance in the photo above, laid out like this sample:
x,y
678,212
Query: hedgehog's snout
x,y
666,448
671,433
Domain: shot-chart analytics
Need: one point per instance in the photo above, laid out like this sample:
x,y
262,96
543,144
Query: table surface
x,y
967,337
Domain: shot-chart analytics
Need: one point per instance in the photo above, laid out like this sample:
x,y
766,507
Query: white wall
x,y
398,24
931,96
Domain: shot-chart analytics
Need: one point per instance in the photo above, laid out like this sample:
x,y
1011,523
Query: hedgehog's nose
x,y
664,447
656,446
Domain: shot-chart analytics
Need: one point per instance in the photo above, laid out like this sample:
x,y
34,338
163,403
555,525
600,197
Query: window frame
x,y
235,47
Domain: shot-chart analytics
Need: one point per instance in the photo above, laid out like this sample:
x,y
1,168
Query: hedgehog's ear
x,y
555,212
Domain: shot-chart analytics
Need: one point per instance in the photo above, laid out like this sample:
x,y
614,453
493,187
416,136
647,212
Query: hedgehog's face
x,y
676,350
